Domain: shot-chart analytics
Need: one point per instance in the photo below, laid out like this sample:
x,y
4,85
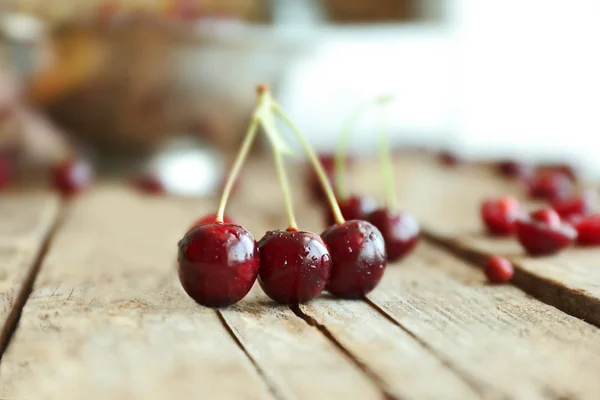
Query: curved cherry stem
x,y
385,160
335,208
285,188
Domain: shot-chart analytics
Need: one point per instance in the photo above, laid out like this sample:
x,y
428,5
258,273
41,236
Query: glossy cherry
x,y
210,218
543,233
513,169
579,204
148,184
498,269
588,230
353,207
400,231
550,185
294,266
500,215
218,264
359,258
72,176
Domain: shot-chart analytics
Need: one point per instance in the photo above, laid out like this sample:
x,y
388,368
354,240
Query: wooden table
x,y
102,314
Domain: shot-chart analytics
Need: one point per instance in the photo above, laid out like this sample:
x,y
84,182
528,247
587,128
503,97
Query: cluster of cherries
x,y
567,219
219,260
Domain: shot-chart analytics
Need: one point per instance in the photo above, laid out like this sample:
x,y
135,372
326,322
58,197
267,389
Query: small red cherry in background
x,y
359,258
210,219
513,169
449,159
72,176
218,264
353,207
399,230
500,215
6,171
588,230
328,163
550,185
148,184
579,204
566,169
294,266
542,233
498,269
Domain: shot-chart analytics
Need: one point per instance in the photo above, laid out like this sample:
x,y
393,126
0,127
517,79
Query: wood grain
x,y
506,344
25,220
108,319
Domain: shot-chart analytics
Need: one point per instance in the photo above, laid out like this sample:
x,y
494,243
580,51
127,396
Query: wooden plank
x,y
25,221
108,319
505,343
402,366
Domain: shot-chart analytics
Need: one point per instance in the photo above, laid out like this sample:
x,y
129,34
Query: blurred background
x,y
168,85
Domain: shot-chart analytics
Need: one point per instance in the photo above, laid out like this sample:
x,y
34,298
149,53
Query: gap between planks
x,y
14,316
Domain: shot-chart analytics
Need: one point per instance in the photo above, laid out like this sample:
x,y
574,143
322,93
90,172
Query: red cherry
x,y
210,219
218,264
359,258
588,230
449,159
399,230
148,184
6,171
498,269
550,185
542,233
566,169
353,207
513,169
500,215
580,204
72,176
294,266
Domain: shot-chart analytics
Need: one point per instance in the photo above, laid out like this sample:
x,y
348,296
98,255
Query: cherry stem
x,y
335,208
285,188
236,168
385,159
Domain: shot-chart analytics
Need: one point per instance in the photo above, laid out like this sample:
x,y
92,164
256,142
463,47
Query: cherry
x,y
353,207
579,204
513,169
550,185
359,258
6,171
210,218
566,169
498,269
543,233
500,215
218,264
399,230
294,266
148,184
449,159
71,176
588,230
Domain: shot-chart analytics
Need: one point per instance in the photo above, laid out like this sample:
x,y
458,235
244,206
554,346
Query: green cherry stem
x,y
285,188
385,159
335,208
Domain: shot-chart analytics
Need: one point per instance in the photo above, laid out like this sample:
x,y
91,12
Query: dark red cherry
x,y
449,159
500,215
542,233
588,230
148,184
359,258
72,176
353,207
550,185
294,266
513,169
399,230
218,264
6,171
579,204
210,219
498,269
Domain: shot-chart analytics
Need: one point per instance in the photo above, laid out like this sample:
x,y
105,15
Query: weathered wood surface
x,y
503,342
25,221
108,319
